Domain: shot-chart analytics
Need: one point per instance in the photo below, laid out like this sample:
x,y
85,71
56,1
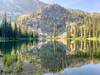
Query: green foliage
x,y
9,32
19,65
13,60
37,73
9,59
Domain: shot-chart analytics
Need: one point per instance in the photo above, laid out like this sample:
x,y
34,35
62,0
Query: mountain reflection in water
x,y
51,57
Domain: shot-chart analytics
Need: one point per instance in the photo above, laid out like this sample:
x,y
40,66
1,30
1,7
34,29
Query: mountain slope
x,y
52,18
20,6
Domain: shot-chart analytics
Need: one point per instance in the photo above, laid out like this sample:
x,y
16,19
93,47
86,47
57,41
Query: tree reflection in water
x,y
52,56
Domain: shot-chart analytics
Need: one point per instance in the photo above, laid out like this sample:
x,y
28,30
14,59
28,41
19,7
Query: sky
x,y
85,5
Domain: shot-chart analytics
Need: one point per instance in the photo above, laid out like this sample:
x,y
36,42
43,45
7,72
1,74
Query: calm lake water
x,y
79,57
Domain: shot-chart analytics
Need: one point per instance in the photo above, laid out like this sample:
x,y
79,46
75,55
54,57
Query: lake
x,y
71,57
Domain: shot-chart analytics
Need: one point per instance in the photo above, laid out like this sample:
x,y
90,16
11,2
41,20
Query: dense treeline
x,y
11,32
89,28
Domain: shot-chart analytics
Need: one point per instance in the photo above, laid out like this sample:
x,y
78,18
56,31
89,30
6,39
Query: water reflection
x,y
55,56
7,47
50,56
13,55
90,69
